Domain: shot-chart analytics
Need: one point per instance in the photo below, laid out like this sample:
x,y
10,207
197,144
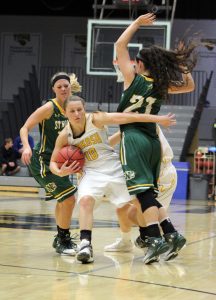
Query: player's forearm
x,y
24,136
148,118
127,35
130,117
54,168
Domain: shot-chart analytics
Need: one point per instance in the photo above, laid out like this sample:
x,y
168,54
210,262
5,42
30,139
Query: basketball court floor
x,y
30,269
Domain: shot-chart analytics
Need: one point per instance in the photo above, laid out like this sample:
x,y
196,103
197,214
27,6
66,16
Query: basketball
x,y
70,153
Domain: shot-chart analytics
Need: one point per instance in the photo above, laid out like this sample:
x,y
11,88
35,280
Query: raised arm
x,y
187,84
123,56
187,87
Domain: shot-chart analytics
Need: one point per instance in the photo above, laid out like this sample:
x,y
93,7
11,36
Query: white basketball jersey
x,y
167,153
99,156
168,176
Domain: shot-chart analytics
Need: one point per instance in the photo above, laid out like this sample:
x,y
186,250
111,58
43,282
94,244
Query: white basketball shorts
x,y
98,185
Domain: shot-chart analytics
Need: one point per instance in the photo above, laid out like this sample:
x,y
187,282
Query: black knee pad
x,y
147,200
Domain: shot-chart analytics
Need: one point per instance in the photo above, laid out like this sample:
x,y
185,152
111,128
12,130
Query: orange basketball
x,y
70,153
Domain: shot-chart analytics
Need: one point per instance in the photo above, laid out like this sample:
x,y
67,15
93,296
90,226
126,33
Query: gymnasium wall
x,y
55,41
207,56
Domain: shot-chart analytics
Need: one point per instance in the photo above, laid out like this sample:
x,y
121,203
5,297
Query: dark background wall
x,y
52,19
185,9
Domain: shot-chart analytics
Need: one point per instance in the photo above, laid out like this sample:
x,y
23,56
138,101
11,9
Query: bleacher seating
x,y
175,137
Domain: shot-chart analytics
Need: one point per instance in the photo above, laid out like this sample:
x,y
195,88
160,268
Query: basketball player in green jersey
x,y
146,86
51,120
167,182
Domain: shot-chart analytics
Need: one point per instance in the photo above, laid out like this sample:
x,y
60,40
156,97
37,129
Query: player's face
x,y
62,89
75,112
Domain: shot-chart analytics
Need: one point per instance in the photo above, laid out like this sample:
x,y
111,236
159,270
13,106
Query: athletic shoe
x,y
120,245
54,244
176,242
64,245
74,237
85,253
155,247
139,243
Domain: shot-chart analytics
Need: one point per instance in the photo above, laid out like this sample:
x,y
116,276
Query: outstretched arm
x,y
123,56
102,118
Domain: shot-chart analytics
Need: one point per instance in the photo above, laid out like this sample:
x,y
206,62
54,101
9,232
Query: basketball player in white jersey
x,y
102,173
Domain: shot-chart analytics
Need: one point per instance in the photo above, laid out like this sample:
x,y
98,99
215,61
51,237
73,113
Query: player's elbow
x,y
190,87
189,84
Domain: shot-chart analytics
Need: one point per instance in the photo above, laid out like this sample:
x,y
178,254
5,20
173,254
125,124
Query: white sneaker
x,y
120,245
85,253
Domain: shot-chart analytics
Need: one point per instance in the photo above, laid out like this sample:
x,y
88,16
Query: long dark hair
x,y
166,66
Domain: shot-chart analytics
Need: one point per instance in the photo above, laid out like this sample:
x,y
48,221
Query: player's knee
x,y
147,200
87,203
122,210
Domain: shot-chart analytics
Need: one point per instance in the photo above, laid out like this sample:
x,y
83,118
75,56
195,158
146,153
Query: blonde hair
x,y
72,79
75,86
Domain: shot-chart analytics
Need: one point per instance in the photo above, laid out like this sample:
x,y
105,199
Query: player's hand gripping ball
x,y
70,153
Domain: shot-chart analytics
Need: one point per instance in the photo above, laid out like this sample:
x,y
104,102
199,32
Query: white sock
x,y
126,236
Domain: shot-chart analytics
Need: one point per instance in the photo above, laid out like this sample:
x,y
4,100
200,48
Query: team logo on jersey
x,y
51,187
129,175
60,124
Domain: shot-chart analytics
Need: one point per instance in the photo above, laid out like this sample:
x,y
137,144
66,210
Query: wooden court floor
x,y
30,269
